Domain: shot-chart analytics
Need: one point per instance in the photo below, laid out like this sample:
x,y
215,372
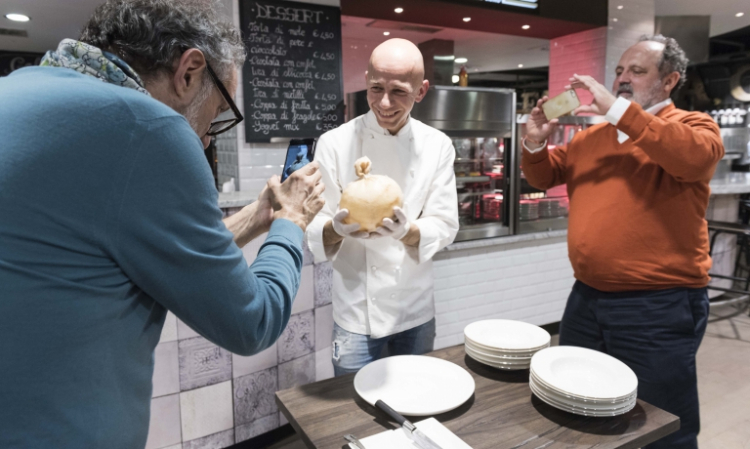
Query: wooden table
x,y
503,413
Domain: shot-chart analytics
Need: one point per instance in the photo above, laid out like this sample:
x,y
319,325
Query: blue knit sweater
x,y
109,217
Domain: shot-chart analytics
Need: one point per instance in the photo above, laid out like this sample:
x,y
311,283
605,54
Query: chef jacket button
x,y
374,268
373,299
398,268
393,295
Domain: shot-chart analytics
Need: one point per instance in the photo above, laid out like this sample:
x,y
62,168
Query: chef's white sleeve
x,y
325,155
438,223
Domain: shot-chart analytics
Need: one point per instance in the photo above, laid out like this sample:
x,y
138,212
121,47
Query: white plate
x,y
481,351
580,400
415,385
583,404
584,372
502,352
507,335
505,366
476,354
579,411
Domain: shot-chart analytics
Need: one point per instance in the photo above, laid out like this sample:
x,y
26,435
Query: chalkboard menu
x,y
13,60
292,79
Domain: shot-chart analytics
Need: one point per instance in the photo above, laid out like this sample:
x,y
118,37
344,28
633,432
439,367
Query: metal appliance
x,y
482,124
540,210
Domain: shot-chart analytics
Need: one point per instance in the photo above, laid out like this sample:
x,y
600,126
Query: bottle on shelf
x,y
463,77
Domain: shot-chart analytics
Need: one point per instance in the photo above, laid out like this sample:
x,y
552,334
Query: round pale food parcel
x,y
371,198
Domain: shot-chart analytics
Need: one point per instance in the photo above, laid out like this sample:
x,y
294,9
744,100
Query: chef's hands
x,y
394,229
298,199
603,98
347,230
538,128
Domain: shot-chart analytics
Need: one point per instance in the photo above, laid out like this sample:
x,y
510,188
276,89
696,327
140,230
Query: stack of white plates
x,y
504,344
583,381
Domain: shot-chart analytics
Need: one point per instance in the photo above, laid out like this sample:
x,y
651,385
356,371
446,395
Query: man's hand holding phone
x,y
298,199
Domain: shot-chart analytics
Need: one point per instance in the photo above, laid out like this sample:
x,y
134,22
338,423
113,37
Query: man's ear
x,y
671,81
422,91
188,74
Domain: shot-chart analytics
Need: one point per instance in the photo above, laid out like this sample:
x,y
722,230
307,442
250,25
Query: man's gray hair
x,y
151,34
673,57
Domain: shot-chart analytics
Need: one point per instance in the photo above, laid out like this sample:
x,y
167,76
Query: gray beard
x,y
650,98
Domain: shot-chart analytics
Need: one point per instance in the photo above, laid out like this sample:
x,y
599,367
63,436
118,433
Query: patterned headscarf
x,y
89,60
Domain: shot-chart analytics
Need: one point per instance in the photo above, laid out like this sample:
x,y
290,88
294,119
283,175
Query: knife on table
x,y
416,435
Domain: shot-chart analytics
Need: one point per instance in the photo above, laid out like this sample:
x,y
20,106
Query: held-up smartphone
x,y
562,104
300,153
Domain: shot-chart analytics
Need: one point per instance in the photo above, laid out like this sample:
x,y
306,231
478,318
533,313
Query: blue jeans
x,y
657,334
353,351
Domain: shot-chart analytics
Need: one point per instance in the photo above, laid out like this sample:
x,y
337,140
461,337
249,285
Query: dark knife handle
x,y
392,413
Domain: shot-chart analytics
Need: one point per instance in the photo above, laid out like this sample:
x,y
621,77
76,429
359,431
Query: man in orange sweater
x,y
637,237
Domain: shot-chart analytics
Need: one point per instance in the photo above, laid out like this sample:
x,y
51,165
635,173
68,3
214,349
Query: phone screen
x,y
299,154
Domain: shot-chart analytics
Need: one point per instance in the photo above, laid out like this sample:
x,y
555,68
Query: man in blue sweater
x,y
109,218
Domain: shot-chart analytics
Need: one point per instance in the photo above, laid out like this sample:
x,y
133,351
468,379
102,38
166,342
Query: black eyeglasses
x,y
220,126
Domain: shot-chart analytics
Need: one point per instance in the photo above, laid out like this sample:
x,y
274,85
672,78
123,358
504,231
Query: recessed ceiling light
x,y
461,60
454,78
615,19
386,33
620,7
17,17
526,27
520,65
467,19
739,14
398,10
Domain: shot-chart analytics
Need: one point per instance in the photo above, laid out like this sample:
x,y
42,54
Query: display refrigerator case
x,y
481,124
544,210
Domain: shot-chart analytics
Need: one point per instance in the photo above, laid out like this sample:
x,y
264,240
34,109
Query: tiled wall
x,y
527,281
206,397
582,53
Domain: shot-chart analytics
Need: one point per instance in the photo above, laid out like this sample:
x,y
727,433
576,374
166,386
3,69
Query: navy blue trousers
x,y
657,334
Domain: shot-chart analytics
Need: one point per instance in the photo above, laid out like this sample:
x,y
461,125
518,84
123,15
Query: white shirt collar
x,y
655,109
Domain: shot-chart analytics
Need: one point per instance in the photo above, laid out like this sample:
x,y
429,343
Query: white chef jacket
x,y
380,286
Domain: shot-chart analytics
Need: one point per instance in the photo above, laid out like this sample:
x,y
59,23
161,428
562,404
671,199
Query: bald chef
x,y
382,281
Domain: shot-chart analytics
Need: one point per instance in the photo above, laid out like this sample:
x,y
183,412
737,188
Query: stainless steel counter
x,y
730,184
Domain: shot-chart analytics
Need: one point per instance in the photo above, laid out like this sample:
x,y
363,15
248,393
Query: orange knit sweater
x,y
637,209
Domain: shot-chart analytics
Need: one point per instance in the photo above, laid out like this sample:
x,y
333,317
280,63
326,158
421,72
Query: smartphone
x,y
562,104
299,153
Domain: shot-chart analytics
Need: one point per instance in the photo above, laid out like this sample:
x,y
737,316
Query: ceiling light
x,y
520,65
386,33
620,7
615,19
467,19
399,10
17,17
739,14
526,27
461,60
454,78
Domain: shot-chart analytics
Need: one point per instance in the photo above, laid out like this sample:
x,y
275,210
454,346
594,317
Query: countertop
x,y
732,183
502,414
236,199
505,240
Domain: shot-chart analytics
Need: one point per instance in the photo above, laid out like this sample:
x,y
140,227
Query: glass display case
x,y
545,210
481,124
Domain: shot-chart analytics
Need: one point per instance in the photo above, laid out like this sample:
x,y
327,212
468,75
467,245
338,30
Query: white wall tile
x,y
169,331
166,378
184,331
305,299
242,366
164,426
205,411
